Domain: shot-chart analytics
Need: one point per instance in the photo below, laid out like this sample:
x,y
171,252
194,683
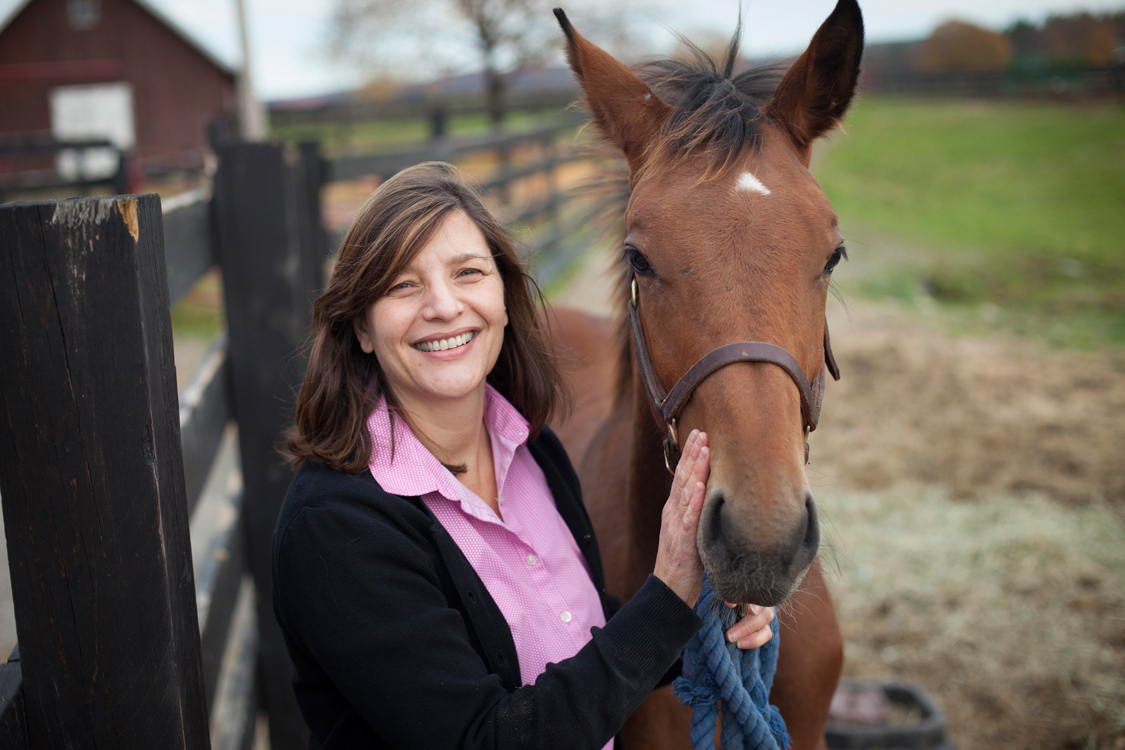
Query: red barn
x,y
109,69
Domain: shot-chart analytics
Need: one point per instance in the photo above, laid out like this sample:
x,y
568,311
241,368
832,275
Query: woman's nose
x,y
442,302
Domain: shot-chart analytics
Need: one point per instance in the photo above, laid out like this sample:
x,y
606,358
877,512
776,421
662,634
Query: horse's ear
x,y
814,95
624,107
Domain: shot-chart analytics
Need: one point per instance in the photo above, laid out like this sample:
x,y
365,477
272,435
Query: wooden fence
x,y
1078,84
139,528
347,113
32,164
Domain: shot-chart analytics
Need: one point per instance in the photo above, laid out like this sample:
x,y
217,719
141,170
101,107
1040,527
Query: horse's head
x,y
730,239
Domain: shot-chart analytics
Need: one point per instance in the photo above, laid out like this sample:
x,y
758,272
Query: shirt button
x,y
499,499
531,559
565,617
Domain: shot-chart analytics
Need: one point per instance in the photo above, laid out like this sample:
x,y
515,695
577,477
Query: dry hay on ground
x,y
993,570
976,416
1010,611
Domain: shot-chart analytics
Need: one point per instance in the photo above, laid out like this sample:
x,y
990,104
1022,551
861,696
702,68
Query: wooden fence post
x,y
266,276
309,179
92,479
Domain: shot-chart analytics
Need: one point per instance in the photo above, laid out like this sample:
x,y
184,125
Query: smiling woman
x,y
423,239
438,330
435,573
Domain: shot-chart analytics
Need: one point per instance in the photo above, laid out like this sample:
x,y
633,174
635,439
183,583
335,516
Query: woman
x,y
435,573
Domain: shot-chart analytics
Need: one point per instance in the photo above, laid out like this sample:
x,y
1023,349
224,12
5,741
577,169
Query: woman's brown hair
x,y
343,384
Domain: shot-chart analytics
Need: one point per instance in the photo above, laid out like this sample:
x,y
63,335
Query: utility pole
x,y
253,120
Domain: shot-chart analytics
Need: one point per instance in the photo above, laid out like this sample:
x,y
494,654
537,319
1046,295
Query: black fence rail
x,y
135,524
1078,84
139,523
552,146
350,112
23,167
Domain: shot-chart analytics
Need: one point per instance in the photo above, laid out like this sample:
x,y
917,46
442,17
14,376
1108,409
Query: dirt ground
x,y
972,491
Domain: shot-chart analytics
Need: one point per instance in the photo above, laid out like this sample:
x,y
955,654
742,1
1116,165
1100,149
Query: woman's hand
x,y
677,558
753,630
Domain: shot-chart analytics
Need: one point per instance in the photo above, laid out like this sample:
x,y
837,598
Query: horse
x,y
728,251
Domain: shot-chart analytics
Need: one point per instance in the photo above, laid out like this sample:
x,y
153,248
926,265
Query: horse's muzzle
x,y
749,566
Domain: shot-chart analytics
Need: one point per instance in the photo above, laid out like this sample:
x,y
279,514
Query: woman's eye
x,y
469,271
841,252
639,262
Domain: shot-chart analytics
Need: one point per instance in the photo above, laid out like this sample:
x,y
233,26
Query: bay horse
x,y
728,238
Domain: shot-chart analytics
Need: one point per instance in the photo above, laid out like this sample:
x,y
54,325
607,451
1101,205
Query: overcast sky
x,y
287,36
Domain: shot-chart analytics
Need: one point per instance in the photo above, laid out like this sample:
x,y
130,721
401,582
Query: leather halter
x,y
669,404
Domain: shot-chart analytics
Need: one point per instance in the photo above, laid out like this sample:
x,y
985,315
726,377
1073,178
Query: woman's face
x,y
438,331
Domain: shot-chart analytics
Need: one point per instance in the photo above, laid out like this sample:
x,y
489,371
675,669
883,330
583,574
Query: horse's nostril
x,y
713,521
812,526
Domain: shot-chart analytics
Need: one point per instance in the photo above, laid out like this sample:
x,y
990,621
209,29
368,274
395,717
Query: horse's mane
x,y
716,115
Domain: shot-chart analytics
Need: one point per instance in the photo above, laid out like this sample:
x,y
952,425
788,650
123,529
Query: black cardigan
x,y
396,642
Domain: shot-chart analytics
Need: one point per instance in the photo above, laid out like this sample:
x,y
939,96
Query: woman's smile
x,y
438,330
445,344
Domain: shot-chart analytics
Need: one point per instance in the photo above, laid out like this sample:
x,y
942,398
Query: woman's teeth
x,y
443,344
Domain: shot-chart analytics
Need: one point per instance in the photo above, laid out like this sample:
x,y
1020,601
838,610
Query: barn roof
x,y
156,13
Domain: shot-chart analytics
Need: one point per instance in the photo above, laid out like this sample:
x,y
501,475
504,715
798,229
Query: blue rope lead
x,y
715,670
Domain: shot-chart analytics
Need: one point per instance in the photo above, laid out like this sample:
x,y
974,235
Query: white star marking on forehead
x,y
747,181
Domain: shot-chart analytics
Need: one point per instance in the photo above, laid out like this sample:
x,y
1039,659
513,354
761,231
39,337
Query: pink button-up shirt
x,y
528,560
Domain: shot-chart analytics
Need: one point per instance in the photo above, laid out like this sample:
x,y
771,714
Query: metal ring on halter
x,y
671,443
633,292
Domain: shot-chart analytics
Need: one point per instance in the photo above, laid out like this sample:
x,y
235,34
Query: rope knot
x,y
719,674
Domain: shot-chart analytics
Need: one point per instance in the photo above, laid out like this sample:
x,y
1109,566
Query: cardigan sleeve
x,y
360,594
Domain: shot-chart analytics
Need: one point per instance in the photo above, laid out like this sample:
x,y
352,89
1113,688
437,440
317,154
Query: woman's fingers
x,y
677,559
753,630
679,477
700,466
689,459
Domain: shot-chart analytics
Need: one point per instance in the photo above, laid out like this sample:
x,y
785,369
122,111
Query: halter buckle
x,y
671,447
633,292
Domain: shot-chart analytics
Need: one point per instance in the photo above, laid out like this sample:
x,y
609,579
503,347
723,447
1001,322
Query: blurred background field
x,y
1014,208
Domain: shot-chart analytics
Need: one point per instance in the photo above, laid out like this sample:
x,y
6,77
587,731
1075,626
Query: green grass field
x,y
1015,204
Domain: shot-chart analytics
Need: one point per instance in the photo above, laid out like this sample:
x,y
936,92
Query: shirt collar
x,y
411,470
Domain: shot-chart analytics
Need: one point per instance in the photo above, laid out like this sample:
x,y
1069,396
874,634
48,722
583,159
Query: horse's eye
x,y
841,252
639,262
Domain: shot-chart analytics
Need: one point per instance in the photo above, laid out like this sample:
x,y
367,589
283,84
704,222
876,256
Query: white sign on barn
x,y
100,111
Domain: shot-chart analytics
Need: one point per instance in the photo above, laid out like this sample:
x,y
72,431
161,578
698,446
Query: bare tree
x,y
508,35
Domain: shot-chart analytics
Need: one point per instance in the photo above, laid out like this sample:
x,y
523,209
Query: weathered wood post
x,y
92,479
267,274
551,152
309,172
438,120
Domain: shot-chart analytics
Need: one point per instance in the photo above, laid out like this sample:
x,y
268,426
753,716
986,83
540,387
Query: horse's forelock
x,y
715,116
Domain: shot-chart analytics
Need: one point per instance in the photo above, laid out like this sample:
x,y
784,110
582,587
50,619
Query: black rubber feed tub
x,y
885,716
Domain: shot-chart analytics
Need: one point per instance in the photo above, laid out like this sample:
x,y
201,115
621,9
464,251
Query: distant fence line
x,y
996,84
372,111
